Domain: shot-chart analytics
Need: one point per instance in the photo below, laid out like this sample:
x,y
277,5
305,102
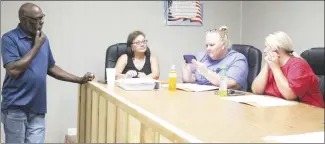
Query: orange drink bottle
x,y
172,79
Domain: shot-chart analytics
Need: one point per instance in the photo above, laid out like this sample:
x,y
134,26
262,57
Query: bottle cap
x,y
223,67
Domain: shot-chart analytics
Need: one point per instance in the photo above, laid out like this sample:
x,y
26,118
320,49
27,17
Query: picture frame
x,y
183,13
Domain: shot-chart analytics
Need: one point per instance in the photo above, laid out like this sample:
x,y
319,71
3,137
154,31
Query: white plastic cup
x,y
110,76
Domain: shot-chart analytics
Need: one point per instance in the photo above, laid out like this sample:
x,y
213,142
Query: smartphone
x,y
189,58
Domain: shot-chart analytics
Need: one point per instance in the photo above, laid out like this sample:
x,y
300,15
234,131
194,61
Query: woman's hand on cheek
x,y
272,60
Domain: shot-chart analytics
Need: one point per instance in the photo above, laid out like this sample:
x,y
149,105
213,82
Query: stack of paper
x,y
193,87
138,84
314,137
260,100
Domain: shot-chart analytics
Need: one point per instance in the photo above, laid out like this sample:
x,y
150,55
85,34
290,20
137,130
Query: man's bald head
x,y
29,9
31,18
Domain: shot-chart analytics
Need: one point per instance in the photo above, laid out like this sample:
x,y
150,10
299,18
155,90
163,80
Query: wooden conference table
x,y
112,115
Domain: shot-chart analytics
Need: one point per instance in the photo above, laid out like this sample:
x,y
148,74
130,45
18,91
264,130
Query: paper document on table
x,y
313,137
139,84
260,100
193,87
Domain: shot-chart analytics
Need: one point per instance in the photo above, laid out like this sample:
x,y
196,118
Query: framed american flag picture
x,y
184,13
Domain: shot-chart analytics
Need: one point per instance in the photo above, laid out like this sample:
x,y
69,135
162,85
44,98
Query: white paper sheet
x,y
313,137
137,84
137,81
260,100
193,87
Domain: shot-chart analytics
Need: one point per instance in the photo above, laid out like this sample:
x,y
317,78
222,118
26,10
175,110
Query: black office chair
x,y
315,58
113,52
254,59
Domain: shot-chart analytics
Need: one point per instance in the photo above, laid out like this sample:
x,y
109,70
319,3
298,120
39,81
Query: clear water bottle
x,y
223,82
172,80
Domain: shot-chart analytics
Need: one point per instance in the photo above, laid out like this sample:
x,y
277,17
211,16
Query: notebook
x,y
138,84
260,100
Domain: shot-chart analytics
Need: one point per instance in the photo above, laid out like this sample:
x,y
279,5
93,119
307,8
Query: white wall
x,y
80,32
303,21
83,32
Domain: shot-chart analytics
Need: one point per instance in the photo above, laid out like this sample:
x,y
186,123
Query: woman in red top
x,y
285,74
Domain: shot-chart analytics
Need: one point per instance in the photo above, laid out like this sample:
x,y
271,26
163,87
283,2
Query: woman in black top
x,y
138,61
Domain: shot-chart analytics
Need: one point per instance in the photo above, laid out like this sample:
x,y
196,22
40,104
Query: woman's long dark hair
x,y
129,41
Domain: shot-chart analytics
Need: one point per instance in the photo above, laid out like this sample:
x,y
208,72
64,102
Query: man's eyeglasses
x,y
140,42
36,20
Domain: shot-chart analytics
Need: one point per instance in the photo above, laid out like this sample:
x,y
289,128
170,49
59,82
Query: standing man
x,y
27,58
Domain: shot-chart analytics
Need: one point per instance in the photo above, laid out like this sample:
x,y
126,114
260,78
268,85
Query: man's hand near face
x,y
16,68
39,39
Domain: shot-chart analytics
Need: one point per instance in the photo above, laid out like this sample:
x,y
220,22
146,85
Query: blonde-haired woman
x,y
285,74
204,70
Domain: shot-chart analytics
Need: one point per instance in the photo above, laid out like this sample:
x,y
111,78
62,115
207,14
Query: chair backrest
x,y
113,52
315,58
321,85
254,59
